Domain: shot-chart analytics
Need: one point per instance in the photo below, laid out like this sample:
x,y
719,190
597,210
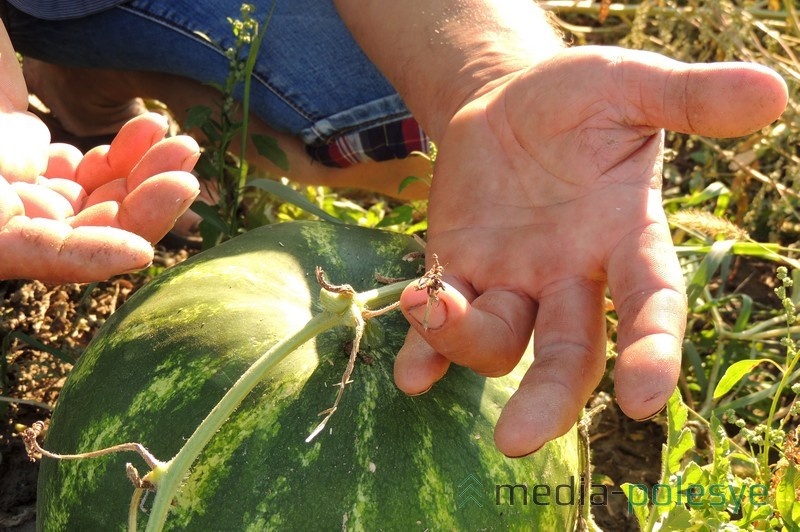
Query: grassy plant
x,y
226,174
745,481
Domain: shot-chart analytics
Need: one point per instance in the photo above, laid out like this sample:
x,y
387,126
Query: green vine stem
x,y
765,470
178,466
169,476
792,358
250,64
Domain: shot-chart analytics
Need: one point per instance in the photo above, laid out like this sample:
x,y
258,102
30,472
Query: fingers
x,y
488,335
136,190
24,142
569,360
62,161
52,251
133,141
647,287
176,153
13,92
418,366
115,190
102,214
637,90
10,204
106,163
152,208
42,202
149,211
66,188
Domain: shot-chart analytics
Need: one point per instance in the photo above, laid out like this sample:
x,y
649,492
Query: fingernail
x,y
526,454
431,315
651,416
426,390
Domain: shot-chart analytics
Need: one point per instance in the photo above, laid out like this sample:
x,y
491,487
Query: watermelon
x,y
385,461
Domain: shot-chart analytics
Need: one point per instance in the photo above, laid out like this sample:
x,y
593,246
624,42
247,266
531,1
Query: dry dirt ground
x,y
65,318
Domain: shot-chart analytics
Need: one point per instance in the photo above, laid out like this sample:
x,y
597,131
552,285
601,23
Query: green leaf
x,y
758,513
637,503
679,439
785,497
721,465
679,449
404,214
197,116
693,474
714,190
744,313
36,344
211,216
678,518
268,147
748,249
734,374
290,195
677,414
743,457
708,267
210,234
88,292
407,181
690,351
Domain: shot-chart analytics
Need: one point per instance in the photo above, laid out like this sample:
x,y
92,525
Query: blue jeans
x,y
311,79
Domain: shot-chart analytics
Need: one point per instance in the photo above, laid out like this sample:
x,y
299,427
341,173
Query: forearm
x,y
440,54
13,94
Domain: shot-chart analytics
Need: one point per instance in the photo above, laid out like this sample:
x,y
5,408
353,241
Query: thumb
x,y
644,89
710,99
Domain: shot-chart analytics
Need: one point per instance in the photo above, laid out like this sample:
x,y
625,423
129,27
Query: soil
x,y
64,318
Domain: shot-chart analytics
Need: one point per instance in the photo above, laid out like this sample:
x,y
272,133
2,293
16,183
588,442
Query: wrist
x,y
442,54
492,62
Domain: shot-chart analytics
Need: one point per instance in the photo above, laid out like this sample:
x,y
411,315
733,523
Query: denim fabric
x,y
61,9
311,78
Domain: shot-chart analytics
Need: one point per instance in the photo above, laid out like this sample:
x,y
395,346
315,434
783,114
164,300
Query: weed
x,y
226,174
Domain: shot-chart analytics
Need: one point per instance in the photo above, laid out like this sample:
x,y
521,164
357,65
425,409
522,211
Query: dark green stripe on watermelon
x,y
385,461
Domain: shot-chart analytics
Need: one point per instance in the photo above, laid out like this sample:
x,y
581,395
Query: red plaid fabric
x,y
395,140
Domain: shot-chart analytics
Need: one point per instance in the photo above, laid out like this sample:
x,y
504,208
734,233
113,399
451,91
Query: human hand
x,y
546,191
69,217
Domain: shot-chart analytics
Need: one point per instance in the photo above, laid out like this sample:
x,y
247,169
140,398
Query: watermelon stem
x,y
346,307
331,296
176,469
383,295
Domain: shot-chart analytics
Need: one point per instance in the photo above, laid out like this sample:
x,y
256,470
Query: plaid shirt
x,y
395,140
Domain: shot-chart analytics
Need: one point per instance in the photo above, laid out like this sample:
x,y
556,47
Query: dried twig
x,y
351,362
432,282
35,451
